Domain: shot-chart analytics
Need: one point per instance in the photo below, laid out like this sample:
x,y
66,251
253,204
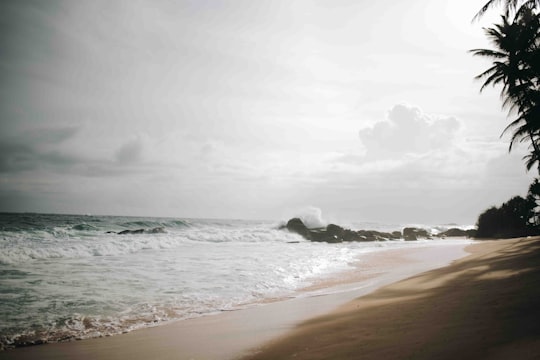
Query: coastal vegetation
x,y
515,67
515,218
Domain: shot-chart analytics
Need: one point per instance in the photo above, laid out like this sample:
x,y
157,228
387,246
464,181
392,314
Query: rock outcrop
x,y
412,233
335,234
455,232
296,225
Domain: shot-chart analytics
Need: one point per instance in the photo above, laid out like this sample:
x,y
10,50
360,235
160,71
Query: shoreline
x,y
234,334
483,306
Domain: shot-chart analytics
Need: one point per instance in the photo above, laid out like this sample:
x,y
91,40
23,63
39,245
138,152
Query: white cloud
x,y
407,130
421,165
410,141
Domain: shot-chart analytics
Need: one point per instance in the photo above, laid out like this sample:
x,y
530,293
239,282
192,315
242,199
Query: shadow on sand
x,y
484,306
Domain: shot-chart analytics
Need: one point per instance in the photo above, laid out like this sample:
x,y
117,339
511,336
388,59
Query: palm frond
x,y
530,160
493,76
488,53
510,7
516,67
485,8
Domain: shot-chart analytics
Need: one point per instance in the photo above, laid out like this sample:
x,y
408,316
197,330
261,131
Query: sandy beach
x,y
234,334
484,306
405,304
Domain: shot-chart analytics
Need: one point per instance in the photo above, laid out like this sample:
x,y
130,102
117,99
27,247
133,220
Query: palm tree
x,y
516,68
510,6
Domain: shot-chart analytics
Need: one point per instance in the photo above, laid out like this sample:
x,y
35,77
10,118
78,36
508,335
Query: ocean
x,y
65,277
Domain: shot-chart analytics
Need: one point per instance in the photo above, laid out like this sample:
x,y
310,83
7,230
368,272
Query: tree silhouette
x,y
516,67
515,218
533,196
510,6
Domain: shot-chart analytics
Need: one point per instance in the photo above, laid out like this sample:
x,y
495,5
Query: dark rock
x,y
454,232
157,230
411,233
471,233
383,236
323,236
296,225
349,235
335,234
367,235
423,233
335,230
126,232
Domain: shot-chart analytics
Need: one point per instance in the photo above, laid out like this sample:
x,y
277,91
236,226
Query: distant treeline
x,y
515,218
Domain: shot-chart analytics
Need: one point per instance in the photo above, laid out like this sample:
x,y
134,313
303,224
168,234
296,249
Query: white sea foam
x,y
312,217
69,281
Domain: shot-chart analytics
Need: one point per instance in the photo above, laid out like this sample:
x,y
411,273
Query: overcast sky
x,y
367,110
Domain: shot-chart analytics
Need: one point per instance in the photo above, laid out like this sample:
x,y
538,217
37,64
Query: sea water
x,y
66,277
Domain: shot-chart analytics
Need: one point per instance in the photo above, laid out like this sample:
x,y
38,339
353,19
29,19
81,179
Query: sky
x,y
365,110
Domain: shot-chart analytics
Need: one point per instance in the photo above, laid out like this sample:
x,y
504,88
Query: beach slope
x,y
484,306
232,334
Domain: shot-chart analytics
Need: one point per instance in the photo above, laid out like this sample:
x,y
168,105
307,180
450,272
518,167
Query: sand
x,y
399,305
484,306
234,334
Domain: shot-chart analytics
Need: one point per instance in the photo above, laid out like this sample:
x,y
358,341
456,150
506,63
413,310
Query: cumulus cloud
x,y
411,149
408,130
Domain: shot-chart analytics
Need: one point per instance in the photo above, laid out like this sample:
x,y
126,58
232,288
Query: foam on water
x,y
64,277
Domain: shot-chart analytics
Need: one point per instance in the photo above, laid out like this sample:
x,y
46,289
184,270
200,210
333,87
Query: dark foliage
x,y
510,6
516,60
515,218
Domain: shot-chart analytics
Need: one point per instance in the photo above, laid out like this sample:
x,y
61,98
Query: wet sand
x,y
484,306
233,334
